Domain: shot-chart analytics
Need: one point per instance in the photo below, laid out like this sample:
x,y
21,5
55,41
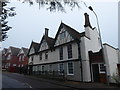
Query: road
x,y
14,80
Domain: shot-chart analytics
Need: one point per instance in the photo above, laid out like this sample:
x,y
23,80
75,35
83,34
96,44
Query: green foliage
x,y
116,78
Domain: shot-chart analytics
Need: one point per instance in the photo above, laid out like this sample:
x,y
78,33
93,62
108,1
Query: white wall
x,y
36,59
111,59
29,60
89,43
118,56
53,56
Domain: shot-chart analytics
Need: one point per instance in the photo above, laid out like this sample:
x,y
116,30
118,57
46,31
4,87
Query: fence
x,y
50,74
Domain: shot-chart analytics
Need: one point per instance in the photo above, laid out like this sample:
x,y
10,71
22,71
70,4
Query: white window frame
x,y
19,65
50,67
23,57
33,68
19,58
39,67
60,53
100,69
9,57
59,67
68,68
46,54
40,56
69,52
42,69
14,65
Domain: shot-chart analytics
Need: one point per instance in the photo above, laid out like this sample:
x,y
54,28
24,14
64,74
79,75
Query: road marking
x,y
28,85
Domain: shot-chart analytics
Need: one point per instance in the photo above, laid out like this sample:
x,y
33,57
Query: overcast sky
x,y
30,21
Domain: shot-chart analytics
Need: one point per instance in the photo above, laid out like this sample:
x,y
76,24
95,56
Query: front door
x,y
95,69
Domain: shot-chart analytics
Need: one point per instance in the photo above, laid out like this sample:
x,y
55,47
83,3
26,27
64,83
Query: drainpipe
x,y
79,57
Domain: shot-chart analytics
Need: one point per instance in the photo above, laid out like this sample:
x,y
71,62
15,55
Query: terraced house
x,y
70,53
14,58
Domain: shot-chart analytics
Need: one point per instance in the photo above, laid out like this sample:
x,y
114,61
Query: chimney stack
x,y
87,21
46,31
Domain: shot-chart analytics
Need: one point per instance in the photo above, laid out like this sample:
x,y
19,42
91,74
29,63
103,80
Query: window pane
x,y
9,57
102,68
40,56
61,53
69,48
46,55
32,58
70,68
61,68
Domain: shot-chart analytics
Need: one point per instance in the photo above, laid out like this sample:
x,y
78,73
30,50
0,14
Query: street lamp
x,y
97,24
100,43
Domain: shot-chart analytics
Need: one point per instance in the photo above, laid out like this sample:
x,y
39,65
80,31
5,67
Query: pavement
x,y
75,84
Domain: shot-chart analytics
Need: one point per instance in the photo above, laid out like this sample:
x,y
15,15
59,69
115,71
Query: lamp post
x,y
97,24
107,78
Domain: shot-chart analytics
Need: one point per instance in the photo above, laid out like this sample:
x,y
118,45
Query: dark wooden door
x,y
95,69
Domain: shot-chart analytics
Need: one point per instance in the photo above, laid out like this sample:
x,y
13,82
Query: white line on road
x,y
28,85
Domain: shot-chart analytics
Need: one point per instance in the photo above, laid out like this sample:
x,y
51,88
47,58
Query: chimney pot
x,y
46,31
87,21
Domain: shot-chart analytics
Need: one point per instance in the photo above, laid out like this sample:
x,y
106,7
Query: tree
x,y
54,5
51,5
4,14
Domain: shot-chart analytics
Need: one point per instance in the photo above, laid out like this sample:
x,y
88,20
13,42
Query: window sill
x,y
70,74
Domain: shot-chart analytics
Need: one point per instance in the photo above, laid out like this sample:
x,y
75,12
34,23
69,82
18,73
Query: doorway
x,y
96,75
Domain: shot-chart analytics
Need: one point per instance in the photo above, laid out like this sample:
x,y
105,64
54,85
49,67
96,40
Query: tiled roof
x,y
14,50
4,51
35,46
25,50
49,40
75,34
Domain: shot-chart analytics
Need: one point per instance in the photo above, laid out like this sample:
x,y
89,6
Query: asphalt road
x,y
14,80
8,82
